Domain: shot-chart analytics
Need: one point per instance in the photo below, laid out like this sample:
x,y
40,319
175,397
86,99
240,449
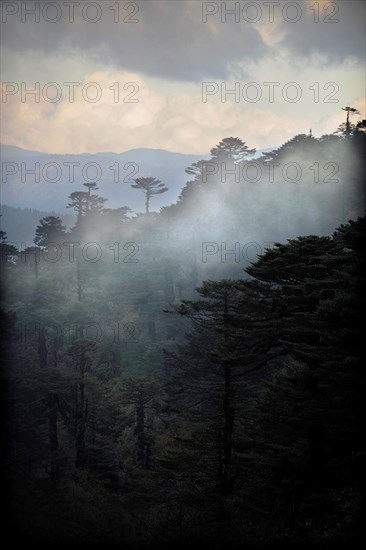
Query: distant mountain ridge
x,y
32,179
58,175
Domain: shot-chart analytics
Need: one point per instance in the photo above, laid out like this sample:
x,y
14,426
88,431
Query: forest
x,y
193,375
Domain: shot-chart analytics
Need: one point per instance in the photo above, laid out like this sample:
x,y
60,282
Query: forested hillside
x,y
44,181
20,223
192,376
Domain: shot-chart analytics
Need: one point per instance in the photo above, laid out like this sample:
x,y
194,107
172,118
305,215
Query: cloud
x,y
330,123
168,53
333,29
180,122
170,40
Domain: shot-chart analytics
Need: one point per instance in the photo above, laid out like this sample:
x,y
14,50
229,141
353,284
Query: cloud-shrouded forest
x,y
190,373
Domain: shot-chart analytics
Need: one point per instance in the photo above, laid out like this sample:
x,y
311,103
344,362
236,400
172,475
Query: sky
x,y
177,75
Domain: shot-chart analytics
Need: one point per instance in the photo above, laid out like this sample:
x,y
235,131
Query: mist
x,y
167,366
231,212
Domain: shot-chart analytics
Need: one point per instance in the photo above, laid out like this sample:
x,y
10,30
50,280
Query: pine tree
x,y
231,150
50,231
149,186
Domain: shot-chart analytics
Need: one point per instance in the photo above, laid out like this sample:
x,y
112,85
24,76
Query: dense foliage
x,y
152,397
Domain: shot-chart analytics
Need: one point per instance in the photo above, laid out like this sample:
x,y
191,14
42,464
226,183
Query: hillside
x,y
20,223
44,181
32,179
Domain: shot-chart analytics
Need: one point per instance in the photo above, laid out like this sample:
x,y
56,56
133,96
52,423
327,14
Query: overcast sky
x,y
153,73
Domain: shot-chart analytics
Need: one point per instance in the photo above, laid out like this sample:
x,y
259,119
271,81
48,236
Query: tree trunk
x,y
168,286
42,349
226,481
142,444
36,264
227,478
52,435
81,417
194,271
55,355
78,279
348,129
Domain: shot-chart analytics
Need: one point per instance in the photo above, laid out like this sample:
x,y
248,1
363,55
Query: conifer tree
x,y
150,187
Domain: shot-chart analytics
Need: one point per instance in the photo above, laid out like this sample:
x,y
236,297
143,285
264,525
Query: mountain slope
x,y
44,181
20,223
31,179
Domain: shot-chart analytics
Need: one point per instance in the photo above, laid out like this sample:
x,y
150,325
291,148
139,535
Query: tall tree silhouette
x,y
94,203
347,127
6,249
49,231
91,186
231,149
78,202
150,186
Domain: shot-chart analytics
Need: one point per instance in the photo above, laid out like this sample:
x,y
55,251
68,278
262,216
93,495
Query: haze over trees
x,y
192,376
